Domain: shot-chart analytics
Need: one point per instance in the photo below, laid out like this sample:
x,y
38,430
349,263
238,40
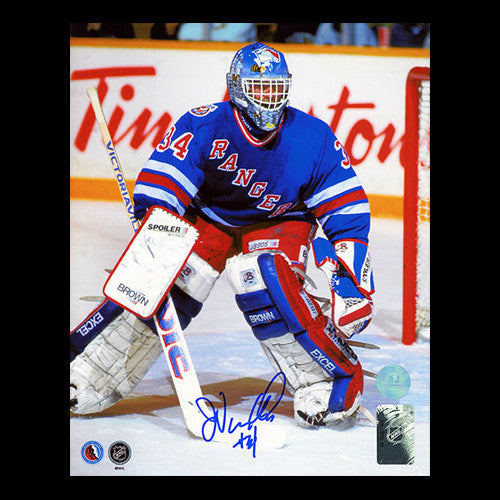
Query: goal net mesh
x,y
424,211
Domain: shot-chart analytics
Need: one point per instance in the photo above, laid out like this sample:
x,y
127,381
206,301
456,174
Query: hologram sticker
x,y
395,434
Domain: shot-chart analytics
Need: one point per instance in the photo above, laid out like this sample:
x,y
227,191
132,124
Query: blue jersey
x,y
208,161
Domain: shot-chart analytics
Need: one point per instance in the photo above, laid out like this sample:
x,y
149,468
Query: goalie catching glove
x,y
347,265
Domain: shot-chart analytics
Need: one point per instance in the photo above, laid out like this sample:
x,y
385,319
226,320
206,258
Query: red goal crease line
x,y
95,189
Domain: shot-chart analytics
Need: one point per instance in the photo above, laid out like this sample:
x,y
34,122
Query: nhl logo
x,y
119,452
394,434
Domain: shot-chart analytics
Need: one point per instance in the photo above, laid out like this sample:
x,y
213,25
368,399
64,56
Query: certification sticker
x,y
393,381
395,434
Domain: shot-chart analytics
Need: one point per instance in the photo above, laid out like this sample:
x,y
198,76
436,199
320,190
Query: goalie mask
x,y
259,84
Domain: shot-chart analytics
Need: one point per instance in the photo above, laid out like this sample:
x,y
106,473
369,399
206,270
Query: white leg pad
x,y
112,364
288,356
119,357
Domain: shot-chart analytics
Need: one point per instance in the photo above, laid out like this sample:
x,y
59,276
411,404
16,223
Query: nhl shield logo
x,y
119,452
394,434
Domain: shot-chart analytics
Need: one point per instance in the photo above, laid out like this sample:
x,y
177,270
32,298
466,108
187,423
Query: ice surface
x,y
228,358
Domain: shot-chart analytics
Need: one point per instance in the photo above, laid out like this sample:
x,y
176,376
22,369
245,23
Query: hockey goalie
x,y
255,177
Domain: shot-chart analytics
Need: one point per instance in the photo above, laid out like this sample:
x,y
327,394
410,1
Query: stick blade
x,y
269,435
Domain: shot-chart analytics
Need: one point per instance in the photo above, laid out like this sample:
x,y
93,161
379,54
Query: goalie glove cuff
x,y
354,257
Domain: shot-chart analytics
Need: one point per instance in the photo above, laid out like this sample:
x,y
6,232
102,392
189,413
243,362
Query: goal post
x,y
416,230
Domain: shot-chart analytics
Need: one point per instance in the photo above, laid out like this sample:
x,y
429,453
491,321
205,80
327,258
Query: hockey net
x,y
416,239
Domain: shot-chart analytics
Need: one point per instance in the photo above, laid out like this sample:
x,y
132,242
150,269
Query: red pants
x,y
216,243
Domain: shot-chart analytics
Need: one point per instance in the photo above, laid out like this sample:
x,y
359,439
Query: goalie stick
x,y
186,381
113,157
168,327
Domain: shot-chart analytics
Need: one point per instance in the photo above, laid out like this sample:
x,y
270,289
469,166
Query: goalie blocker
x,y
148,268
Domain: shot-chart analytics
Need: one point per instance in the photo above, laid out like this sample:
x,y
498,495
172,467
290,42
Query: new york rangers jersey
x,y
208,161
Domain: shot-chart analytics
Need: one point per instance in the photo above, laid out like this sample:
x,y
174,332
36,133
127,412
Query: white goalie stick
x,y
169,330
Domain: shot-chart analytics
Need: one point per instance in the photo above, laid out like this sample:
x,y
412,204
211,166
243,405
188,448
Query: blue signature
x,y
248,430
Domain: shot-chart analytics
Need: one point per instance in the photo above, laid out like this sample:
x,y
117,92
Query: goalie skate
x,y
311,408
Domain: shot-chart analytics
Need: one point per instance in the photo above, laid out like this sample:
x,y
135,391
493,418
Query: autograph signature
x,y
260,412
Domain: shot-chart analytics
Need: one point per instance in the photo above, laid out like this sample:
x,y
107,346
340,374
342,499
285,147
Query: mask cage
x,y
269,94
